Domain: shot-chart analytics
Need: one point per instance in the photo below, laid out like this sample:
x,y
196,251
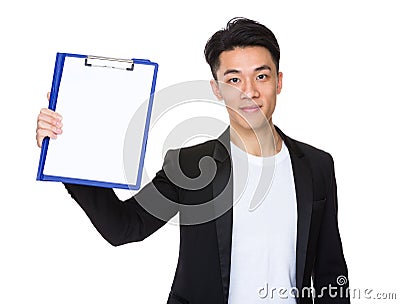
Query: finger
x,y
48,96
52,113
42,124
41,134
49,116
43,118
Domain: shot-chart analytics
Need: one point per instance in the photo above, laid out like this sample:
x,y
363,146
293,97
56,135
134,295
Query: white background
x,y
340,62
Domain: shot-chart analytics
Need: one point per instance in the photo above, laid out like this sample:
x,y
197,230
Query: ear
x,y
215,88
279,84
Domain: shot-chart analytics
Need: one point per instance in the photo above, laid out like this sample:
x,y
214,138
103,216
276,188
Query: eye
x,y
262,76
234,80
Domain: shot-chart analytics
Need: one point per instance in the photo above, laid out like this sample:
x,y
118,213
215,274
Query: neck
x,y
259,142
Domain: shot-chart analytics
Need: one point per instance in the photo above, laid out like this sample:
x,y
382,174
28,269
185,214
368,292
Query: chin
x,y
251,126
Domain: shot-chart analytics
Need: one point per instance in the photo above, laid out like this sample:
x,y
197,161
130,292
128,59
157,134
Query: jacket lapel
x,y
304,197
223,201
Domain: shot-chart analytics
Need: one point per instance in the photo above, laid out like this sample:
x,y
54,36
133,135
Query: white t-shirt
x,y
263,257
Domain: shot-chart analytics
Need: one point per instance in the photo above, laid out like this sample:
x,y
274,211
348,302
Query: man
x,y
268,253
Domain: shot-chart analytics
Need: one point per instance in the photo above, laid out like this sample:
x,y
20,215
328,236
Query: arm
x,y
123,222
118,222
330,263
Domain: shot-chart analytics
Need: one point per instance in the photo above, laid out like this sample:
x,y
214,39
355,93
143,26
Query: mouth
x,y
251,108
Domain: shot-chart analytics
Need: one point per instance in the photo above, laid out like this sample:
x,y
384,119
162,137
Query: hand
x,y
48,124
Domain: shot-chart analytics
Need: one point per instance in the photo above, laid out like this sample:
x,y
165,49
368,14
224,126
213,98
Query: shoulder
x,y
314,154
189,158
301,149
199,150
319,161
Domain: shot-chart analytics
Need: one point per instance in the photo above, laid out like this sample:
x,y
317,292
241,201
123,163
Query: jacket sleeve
x,y
330,276
121,222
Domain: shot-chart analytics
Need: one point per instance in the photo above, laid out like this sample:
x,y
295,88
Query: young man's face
x,y
248,83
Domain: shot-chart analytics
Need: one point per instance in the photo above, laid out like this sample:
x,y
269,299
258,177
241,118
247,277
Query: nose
x,y
249,90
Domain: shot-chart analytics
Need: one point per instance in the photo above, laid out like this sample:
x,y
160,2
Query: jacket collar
x,y
222,146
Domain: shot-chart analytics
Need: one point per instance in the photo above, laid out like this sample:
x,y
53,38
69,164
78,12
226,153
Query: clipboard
x,y
98,97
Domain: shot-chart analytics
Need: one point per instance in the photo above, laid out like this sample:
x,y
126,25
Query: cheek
x,y
230,95
269,94
269,89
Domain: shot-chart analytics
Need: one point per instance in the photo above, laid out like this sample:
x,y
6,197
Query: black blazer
x,y
203,270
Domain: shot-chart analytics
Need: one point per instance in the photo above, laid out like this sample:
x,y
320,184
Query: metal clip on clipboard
x,y
108,62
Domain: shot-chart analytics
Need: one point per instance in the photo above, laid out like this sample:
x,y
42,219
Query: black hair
x,y
240,32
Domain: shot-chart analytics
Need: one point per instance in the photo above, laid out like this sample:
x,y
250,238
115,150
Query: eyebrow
x,y
260,68
263,67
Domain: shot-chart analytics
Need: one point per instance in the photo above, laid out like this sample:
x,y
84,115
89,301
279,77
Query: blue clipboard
x,y
98,97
